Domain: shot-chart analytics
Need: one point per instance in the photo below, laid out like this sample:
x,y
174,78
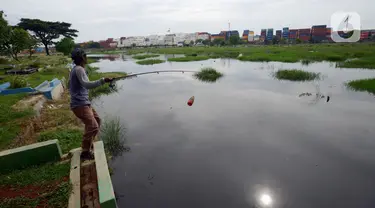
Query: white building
x,y
130,41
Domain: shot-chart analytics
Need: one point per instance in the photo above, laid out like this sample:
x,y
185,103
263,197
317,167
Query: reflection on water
x,y
248,141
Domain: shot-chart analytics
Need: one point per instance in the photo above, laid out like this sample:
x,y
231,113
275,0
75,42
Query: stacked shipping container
x,y
269,36
245,35
365,34
293,34
278,34
304,34
263,34
251,36
328,34
286,32
319,33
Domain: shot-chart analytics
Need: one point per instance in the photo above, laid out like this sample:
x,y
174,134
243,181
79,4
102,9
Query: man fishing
x,y
79,86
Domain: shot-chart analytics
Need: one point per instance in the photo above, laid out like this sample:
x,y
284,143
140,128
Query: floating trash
x,y
191,101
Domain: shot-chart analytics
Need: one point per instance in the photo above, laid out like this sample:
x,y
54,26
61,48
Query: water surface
x,y
248,140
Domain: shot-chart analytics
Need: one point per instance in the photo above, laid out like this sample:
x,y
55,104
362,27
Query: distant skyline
x,y
99,20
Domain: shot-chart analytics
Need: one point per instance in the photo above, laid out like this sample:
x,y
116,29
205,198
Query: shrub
x,y
18,82
150,62
112,133
296,75
208,74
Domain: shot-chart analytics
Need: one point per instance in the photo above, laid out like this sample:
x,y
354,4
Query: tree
x,y
65,46
282,41
46,31
5,34
191,43
31,44
205,42
93,45
13,40
234,40
198,41
218,41
298,41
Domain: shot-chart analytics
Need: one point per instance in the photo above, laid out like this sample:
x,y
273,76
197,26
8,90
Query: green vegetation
x,y
10,118
296,75
365,63
35,175
145,56
295,53
188,58
68,138
41,186
17,82
234,40
46,31
12,39
208,74
150,62
367,85
65,46
112,133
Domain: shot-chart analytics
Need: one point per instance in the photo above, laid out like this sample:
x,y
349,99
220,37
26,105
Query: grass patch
x,y
145,56
39,186
112,133
10,119
35,175
358,63
68,138
208,74
365,85
189,58
296,75
150,62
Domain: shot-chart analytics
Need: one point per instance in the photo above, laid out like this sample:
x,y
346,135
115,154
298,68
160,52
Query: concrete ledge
x,y
107,197
30,155
75,179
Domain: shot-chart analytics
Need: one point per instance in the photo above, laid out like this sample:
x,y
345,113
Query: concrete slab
x,y
30,155
107,197
75,178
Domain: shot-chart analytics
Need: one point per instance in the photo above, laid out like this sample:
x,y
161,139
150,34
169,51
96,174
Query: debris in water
x,y
150,176
305,94
191,101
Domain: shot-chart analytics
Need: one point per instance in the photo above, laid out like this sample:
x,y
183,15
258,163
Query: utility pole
x,y
229,29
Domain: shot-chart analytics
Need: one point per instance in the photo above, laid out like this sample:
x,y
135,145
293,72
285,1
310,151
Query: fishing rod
x,y
144,73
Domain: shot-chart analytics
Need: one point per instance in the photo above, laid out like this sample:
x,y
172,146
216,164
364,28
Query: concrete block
x,y
75,179
107,197
30,155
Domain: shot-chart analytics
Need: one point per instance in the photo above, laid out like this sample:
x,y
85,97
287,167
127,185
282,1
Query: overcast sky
x,y
101,19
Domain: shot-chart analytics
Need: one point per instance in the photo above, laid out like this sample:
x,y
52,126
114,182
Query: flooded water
x,y
248,140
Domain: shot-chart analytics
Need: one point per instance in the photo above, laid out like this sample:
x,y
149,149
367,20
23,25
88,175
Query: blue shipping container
x,y
319,26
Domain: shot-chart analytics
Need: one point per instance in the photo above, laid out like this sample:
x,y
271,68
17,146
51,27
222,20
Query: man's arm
x,y
84,80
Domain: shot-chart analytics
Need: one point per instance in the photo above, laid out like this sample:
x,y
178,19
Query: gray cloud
x,y
97,19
